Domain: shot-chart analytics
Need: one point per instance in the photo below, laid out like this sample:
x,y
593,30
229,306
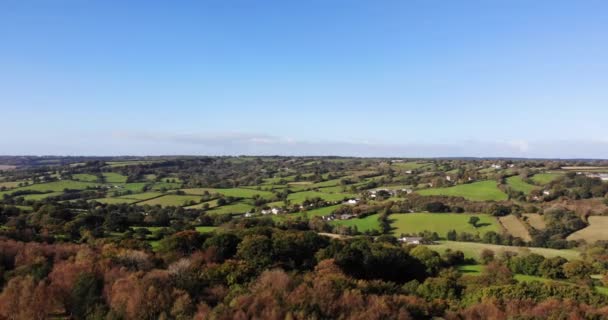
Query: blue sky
x,y
319,77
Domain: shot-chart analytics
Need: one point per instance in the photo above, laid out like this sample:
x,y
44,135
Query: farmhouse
x,y
272,211
411,240
352,201
602,176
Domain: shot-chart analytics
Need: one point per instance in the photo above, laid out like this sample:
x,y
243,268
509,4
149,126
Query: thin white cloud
x,y
235,143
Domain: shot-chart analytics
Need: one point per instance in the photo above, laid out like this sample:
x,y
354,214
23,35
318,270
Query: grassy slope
x,y
473,250
365,224
517,184
597,230
441,223
545,178
477,191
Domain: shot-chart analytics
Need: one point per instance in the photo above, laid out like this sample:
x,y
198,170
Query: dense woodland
x,y
302,238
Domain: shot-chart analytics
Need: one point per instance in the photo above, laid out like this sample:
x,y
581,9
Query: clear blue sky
x,y
378,78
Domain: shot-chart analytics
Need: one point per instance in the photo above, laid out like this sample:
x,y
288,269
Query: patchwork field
x,y
596,231
232,192
10,184
515,227
299,197
477,191
171,200
368,223
545,178
234,208
442,223
473,249
116,200
535,220
55,186
518,184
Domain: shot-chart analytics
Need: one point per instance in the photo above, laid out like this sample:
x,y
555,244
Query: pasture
x,y
442,223
474,249
142,196
231,192
55,186
115,200
477,191
10,184
596,231
171,200
299,197
515,227
545,178
368,223
239,207
535,220
518,184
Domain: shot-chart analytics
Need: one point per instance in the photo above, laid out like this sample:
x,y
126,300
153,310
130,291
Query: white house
x,y
352,201
411,240
546,192
496,166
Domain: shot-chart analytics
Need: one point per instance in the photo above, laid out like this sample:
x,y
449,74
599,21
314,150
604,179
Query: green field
x,y
212,204
413,223
473,249
142,196
84,177
411,165
232,192
311,213
518,184
234,208
477,191
299,197
37,197
54,186
134,186
115,200
171,200
368,223
205,229
112,177
545,178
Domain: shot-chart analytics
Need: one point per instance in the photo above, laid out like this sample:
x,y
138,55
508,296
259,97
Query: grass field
x,y
545,178
84,177
115,164
413,223
518,184
10,184
299,197
311,213
205,229
473,249
141,196
37,197
368,223
170,200
535,220
477,191
410,165
112,177
55,186
234,208
232,192
211,203
134,186
116,200
515,227
597,230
